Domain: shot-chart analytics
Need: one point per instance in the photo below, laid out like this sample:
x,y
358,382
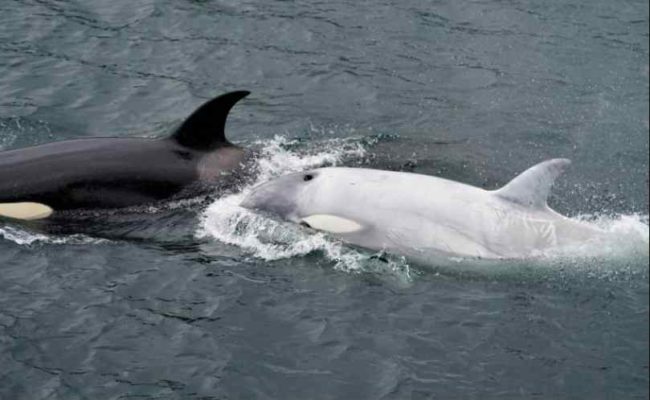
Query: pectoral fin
x,y
332,223
25,211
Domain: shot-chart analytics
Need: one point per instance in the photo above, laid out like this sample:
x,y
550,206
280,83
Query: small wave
x,y
26,238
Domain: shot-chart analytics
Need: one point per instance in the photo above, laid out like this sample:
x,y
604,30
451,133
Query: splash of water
x,y
622,251
624,236
27,238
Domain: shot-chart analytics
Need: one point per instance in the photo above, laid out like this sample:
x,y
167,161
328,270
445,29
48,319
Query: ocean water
x,y
200,299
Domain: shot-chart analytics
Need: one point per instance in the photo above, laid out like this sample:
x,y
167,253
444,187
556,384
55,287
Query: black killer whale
x,y
104,173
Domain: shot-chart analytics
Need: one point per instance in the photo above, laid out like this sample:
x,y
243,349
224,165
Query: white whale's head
x,y
291,197
319,198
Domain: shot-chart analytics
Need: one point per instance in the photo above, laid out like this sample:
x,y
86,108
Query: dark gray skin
x,y
123,172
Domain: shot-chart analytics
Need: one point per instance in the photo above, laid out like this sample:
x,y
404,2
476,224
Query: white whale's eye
x,y
307,177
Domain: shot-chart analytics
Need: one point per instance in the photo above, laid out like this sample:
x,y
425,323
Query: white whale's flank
x,y
421,216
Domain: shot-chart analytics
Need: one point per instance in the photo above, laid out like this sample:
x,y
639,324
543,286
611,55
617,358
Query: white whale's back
x,y
422,216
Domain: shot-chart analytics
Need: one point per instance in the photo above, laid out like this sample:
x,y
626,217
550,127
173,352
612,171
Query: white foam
x,y
26,238
625,237
276,159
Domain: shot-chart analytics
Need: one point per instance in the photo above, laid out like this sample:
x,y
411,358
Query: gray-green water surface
x,y
197,300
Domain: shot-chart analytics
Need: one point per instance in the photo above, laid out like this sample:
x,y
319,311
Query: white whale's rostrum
x,y
422,216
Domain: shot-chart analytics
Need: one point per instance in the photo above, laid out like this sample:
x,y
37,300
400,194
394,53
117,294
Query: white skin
x,y
422,216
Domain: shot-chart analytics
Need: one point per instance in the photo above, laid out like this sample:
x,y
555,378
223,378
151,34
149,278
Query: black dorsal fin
x,y
204,129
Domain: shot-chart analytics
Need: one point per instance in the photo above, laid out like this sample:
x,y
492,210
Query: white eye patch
x,y
25,211
332,223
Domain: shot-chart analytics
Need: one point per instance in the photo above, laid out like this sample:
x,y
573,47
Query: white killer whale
x,y
422,216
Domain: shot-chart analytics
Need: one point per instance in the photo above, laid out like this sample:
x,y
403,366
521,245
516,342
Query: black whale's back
x,y
121,172
96,173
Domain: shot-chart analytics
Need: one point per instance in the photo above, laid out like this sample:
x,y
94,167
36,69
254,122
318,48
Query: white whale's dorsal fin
x,y
532,187
26,211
